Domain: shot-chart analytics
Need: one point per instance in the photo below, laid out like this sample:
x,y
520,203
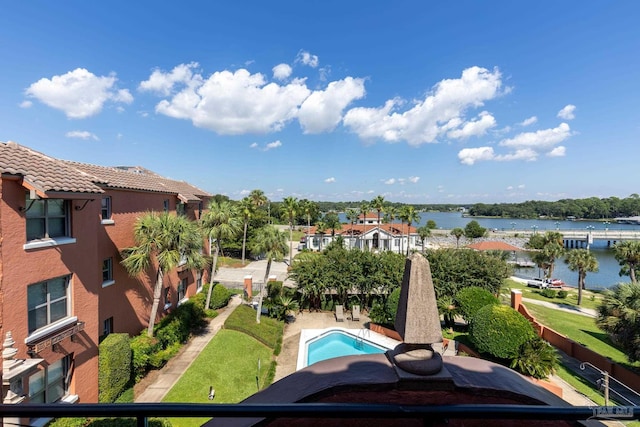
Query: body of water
x,y
607,275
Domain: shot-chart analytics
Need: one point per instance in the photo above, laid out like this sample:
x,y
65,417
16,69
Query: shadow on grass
x,y
604,337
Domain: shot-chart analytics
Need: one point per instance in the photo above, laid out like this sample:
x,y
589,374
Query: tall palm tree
x,y
290,209
458,233
550,247
378,205
246,211
628,256
352,217
163,241
308,207
582,261
333,221
424,232
258,199
364,210
619,316
410,215
221,222
321,229
273,244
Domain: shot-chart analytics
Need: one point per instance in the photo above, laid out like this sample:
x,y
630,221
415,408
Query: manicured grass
x,y
268,331
228,262
581,329
229,363
589,299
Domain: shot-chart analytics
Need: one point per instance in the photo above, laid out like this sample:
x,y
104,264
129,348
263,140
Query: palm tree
x,y
273,244
220,222
619,316
333,221
163,241
582,261
290,209
352,217
364,210
458,233
378,205
321,229
308,207
258,199
246,211
424,232
410,216
628,256
550,247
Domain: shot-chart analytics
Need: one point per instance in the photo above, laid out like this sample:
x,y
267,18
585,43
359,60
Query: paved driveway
x,y
234,277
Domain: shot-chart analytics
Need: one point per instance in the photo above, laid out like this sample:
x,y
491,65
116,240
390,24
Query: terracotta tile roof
x,y
49,174
359,229
42,172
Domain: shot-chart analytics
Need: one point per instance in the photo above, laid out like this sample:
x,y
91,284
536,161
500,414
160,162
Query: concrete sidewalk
x,y
177,366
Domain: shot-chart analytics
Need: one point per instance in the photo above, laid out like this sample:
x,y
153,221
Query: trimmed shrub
x,y
142,347
562,294
268,331
219,296
536,358
471,299
114,367
548,293
499,330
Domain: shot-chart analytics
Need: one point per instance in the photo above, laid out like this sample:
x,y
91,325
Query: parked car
x,y
555,283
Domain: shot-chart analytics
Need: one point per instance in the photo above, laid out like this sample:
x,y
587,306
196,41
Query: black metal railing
x,y
142,411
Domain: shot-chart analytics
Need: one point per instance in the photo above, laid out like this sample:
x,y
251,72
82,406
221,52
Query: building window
x,y
106,208
198,281
52,383
167,298
107,270
47,218
182,289
181,208
107,326
165,205
48,302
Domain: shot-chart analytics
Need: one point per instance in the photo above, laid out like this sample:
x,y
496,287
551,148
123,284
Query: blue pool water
x,y
336,344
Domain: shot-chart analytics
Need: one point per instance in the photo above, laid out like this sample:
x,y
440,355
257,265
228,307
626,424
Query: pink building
x,y
62,287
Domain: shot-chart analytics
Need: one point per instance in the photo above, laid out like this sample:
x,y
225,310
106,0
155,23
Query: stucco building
x,y
62,287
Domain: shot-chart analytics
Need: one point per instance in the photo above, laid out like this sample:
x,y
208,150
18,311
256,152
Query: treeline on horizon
x,y
588,208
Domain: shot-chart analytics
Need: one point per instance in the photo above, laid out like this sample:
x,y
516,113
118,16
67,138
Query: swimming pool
x,y
322,344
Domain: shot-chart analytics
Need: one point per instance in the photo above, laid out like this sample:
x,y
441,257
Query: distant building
x,y
366,234
62,287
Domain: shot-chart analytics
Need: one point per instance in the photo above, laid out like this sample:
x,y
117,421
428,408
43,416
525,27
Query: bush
x,y
268,331
274,289
114,367
391,306
536,358
499,330
548,293
219,297
471,299
142,347
562,294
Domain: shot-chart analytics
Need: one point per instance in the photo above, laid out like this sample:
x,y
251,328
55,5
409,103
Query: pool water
x,y
336,344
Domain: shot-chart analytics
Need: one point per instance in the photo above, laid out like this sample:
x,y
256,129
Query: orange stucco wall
x,y
128,300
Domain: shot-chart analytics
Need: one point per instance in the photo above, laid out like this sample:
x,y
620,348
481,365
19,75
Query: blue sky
x,y
464,102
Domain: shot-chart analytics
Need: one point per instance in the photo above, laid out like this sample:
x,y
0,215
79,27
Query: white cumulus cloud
x,y
484,122
281,71
540,139
307,59
390,181
235,103
442,111
414,179
78,93
527,122
164,83
272,145
567,113
81,134
558,151
330,180
322,110
469,156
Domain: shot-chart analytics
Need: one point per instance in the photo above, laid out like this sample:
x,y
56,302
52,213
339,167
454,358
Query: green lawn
x,y
589,299
581,329
229,363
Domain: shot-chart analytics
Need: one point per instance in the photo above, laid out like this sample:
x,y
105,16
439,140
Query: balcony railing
x,y
142,411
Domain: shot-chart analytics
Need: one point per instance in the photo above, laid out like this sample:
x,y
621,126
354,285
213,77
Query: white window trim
x,y
50,329
108,283
49,242
107,222
182,301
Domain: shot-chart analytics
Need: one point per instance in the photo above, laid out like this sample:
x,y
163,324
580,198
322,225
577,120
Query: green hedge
x,y
114,367
219,296
268,331
499,330
471,299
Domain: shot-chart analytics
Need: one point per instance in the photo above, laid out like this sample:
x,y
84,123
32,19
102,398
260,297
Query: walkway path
x,y
174,369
